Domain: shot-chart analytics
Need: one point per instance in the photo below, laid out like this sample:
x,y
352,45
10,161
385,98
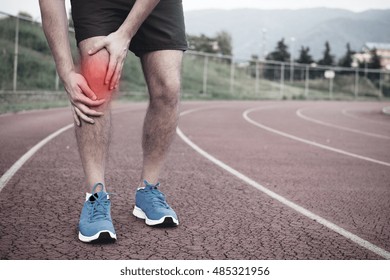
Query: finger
x,y
117,75
92,103
86,110
83,117
117,82
110,71
75,117
87,90
97,47
89,112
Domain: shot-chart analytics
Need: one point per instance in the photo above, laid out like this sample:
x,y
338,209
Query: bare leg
x,y
93,139
162,73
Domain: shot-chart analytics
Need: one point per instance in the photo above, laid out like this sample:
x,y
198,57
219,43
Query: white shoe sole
x,y
101,236
168,220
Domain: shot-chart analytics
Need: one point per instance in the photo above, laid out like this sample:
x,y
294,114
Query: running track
x,y
249,180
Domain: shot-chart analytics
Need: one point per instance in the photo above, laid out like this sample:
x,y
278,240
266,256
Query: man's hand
x,y
82,98
117,44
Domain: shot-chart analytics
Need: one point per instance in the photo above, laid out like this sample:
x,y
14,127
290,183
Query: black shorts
x,y
163,29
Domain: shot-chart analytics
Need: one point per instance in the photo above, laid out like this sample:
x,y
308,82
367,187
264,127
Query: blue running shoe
x,y
95,221
150,205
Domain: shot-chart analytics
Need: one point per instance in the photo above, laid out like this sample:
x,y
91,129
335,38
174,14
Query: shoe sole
x,y
104,236
165,221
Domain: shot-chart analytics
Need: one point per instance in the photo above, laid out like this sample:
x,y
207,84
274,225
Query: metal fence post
x,y
356,82
232,70
307,81
331,88
16,54
205,66
57,82
380,85
257,77
281,80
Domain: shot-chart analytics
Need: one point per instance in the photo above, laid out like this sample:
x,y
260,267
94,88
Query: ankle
x,y
97,187
146,182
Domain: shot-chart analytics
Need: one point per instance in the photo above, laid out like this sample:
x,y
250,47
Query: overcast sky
x,y
32,7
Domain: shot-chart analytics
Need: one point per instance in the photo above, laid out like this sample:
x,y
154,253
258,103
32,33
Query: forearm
x,y
137,15
55,26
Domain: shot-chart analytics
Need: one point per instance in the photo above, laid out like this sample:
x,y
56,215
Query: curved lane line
x,y
22,160
346,113
245,115
354,238
301,115
19,163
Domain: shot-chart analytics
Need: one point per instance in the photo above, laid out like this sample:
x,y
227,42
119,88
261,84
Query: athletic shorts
x,y
163,29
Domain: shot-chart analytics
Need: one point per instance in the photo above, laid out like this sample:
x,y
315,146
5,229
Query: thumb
x,y
97,47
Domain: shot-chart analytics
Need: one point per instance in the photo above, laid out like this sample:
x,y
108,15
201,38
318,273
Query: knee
x,y
94,70
165,92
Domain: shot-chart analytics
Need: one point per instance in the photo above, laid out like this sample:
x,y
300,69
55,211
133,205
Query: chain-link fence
x,y
27,69
223,76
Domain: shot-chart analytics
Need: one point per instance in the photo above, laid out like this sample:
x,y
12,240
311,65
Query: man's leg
x,y
93,139
162,73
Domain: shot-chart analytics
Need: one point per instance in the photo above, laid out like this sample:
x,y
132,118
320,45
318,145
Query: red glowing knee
x,y
94,69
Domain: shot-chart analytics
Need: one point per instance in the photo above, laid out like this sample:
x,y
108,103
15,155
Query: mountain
x,y
310,27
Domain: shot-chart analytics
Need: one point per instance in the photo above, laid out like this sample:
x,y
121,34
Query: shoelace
x,y
99,207
154,195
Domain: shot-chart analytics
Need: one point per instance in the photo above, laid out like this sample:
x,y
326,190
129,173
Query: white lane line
x,y
22,160
245,115
346,113
19,163
354,238
300,114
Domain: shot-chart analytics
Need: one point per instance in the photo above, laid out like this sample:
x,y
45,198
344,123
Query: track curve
x,y
221,216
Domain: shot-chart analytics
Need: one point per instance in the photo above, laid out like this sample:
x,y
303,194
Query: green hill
x,y
36,69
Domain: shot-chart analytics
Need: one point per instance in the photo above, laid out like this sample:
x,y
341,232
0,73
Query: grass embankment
x,y
36,77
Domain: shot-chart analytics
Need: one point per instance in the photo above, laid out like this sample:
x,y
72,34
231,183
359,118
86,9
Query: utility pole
x,y
205,68
292,59
16,53
263,53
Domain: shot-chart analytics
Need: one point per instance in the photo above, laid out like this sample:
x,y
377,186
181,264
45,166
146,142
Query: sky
x,y
32,6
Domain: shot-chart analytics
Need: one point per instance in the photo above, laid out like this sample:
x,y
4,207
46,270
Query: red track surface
x,y
221,216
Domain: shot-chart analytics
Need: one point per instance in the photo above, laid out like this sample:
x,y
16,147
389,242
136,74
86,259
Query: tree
x,y
200,43
224,43
327,59
346,60
304,56
375,61
280,53
25,15
254,57
220,44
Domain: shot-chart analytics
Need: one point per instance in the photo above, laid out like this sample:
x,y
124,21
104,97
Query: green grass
x,y
15,102
24,106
